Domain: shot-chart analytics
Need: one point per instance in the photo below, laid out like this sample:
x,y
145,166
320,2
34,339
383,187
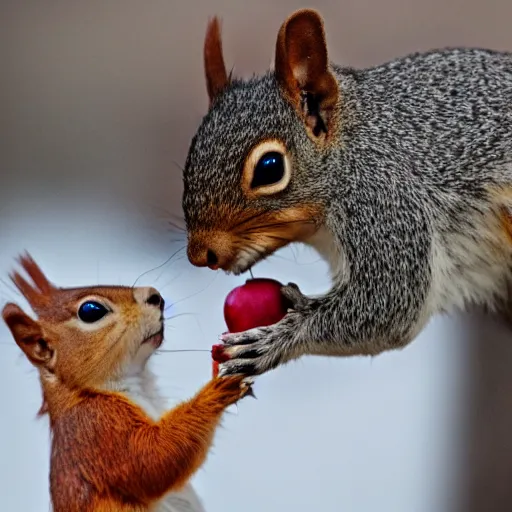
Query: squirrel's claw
x,y
250,392
252,352
242,338
247,387
237,367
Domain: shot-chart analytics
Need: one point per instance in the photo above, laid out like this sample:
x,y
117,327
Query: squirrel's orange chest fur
x,y
107,454
90,448
93,444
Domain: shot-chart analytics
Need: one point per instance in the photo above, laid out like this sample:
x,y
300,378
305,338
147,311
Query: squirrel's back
x,y
439,113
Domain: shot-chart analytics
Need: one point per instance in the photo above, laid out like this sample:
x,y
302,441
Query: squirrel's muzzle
x,y
210,249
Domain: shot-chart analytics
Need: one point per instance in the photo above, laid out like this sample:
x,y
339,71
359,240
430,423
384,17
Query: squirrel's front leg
x,y
328,326
162,456
380,306
259,350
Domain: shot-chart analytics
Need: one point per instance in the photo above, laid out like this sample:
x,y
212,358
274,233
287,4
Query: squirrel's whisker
x,y
248,219
172,317
194,294
262,227
170,282
168,260
176,226
166,214
177,165
158,350
174,278
263,253
184,350
178,315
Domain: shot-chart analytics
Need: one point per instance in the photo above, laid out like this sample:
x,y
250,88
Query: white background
x,y
98,102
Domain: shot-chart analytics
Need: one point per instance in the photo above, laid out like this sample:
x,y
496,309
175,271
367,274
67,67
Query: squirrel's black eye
x,y
90,312
268,170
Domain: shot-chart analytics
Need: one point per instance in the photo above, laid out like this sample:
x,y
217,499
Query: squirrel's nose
x,y
204,258
212,252
150,296
211,258
155,299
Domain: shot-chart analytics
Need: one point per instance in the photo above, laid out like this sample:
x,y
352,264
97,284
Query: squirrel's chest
x,y
474,265
322,241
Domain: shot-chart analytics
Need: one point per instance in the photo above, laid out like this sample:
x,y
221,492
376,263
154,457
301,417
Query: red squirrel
x,y
114,446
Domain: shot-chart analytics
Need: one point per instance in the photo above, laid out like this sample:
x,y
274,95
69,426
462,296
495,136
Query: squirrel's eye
x,y
90,312
268,170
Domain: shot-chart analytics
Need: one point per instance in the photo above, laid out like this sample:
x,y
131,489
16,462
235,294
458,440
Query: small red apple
x,y
257,303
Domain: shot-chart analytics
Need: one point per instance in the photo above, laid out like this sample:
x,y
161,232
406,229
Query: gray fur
x,y
423,140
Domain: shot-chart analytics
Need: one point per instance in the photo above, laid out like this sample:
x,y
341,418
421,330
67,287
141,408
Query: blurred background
x,y
98,103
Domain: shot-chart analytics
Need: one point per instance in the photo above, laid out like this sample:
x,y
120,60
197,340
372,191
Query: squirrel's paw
x,y
232,388
251,352
296,298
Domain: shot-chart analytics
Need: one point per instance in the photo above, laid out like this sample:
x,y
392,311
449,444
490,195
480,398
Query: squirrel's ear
x,y
28,335
303,72
214,67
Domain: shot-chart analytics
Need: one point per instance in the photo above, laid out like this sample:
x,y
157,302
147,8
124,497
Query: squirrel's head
x,y
251,179
84,337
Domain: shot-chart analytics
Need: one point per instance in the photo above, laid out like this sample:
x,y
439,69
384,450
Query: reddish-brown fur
x,y
107,450
107,453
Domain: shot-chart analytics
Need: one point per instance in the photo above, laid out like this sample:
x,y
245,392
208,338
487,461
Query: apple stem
x,y
250,272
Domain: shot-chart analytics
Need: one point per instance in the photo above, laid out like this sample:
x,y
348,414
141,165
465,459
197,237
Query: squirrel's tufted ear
x,y
214,67
28,335
303,72
39,294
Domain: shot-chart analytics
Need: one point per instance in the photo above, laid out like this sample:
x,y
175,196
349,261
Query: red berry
x,y
257,303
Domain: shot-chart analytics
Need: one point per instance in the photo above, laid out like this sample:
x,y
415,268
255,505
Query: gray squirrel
x,y
400,176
